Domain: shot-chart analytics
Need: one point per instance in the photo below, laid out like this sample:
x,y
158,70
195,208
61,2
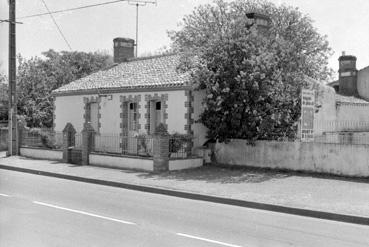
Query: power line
x,y
56,24
83,7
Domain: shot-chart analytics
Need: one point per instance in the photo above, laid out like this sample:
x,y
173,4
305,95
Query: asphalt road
x,y
44,211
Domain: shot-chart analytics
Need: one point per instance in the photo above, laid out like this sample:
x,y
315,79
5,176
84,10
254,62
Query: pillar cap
x,y
69,128
161,130
87,127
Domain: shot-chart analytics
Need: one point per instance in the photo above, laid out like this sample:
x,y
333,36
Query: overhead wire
x,y
84,7
56,24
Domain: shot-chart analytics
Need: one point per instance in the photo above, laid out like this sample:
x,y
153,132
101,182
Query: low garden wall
x,y
123,162
185,163
339,159
40,153
140,163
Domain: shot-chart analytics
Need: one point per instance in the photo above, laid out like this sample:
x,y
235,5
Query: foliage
x,y
37,77
46,138
252,76
3,101
142,143
3,97
178,141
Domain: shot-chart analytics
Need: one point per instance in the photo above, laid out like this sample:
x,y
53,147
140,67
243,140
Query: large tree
x,y
3,96
252,76
38,76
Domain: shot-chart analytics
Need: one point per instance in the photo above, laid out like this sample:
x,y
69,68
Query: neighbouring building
x,y
343,105
132,97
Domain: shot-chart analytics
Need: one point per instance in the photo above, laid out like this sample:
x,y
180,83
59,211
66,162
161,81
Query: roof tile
x,y
159,71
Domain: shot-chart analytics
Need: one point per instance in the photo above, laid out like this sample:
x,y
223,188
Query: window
x,y
156,115
92,115
132,116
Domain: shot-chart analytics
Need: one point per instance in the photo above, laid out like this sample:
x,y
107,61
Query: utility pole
x,y
13,133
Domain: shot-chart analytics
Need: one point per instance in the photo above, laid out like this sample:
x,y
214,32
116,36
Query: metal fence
x,y
3,139
346,137
141,145
342,132
332,126
180,147
41,138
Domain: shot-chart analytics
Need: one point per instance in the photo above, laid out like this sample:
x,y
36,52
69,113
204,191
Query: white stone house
x,y
131,98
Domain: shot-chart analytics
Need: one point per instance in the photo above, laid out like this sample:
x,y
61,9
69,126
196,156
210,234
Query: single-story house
x,y
131,98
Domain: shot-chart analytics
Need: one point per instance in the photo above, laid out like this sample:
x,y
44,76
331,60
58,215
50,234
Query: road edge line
x,y
353,219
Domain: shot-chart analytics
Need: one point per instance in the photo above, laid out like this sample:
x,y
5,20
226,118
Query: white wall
x,y
363,83
348,160
42,153
69,109
121,162
185,164
326,99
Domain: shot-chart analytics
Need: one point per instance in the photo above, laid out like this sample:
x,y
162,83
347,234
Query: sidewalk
x,y
318,193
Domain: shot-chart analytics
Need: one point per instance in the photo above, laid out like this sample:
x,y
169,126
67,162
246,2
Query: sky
x,y
345,22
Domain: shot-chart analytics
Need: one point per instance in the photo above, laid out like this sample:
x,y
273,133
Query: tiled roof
x,y
350,100
158,71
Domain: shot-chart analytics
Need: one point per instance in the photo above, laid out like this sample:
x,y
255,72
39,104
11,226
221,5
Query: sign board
x,y
307,115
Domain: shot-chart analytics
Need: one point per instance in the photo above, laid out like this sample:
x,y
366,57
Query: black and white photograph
x,y
184,123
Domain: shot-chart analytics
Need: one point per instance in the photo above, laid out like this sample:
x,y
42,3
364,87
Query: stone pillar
x,y
88,142
161,149
69,141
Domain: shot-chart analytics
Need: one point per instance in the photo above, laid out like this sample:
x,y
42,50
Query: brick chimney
x,y
347,75
123,49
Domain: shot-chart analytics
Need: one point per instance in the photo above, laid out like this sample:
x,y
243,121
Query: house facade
x,y
132,98
343,105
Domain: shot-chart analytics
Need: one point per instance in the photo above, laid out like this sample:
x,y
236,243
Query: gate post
x,y
68,141
161,149
88,142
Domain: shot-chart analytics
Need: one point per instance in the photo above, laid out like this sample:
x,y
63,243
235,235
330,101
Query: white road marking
x,y
207,240
84,213
4,195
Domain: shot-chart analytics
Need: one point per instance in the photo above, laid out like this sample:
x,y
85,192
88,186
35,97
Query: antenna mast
x,y
138,4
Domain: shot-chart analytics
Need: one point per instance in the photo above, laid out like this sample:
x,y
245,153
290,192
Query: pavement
x,y
326,197
47,211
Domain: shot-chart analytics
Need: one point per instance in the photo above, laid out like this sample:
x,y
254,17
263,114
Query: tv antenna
x,y
138,3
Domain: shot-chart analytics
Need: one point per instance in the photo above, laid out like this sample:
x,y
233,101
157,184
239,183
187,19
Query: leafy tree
x,y
252,76
38,76
3,97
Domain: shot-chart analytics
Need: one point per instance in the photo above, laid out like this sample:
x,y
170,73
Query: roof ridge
x,y
150,57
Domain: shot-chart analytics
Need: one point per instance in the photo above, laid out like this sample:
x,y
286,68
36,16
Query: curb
x,y
221,200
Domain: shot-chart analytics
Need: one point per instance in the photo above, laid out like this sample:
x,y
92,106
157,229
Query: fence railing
x,y
327,126
180,147
114,143
141,145
41,138
348,138
3,139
